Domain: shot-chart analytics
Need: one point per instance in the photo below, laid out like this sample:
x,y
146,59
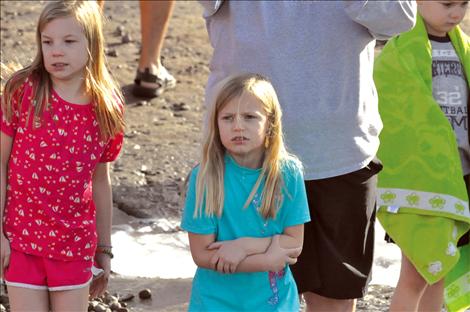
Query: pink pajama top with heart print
x,y
49,209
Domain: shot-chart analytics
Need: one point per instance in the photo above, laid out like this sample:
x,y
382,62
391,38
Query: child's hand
x,y
228,256
278,257
99,285
4,254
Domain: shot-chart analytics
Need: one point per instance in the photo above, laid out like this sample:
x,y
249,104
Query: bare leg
x,y
37,300
319,303
410,288
70,300
154,20
433,298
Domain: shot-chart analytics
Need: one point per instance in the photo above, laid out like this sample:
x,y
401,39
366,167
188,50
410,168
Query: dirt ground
x,y
163,134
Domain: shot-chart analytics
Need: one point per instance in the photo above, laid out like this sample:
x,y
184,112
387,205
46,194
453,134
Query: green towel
x,y
422,198
457,292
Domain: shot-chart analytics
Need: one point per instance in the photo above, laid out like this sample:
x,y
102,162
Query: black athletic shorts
x,y
337,255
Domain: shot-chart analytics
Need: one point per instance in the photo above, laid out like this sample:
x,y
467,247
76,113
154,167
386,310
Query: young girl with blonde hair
x,y
246,204
61,125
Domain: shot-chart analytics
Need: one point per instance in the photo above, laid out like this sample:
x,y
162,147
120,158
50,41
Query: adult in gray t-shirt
x,y
319,56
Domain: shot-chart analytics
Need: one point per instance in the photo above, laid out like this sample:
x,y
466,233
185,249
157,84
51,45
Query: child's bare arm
x,y
207,258
6,143
274,259
102,197
103,200
283,249
199,244
291,238
257,254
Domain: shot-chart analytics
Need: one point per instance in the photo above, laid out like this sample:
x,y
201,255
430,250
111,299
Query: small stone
x,y
126,38
145,294
114,305
131,134
126,297
112,53
92,305
142,103
122,310
179,106
119,30
101,308
2,308
4,299
108,298
189,69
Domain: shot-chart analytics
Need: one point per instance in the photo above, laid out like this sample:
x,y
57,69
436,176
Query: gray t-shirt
x,y
450,89
319,56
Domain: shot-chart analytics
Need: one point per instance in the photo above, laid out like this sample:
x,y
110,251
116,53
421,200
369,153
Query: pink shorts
x,y
36,272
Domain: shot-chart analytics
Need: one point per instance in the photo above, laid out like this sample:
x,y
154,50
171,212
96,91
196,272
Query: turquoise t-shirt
x,y
258,291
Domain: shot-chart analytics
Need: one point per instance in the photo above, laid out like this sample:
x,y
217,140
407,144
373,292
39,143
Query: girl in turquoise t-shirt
x,y
245,205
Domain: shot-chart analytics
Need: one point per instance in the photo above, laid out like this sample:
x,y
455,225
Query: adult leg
x,y
316,302
410,288
70,300
154,20
152,78
37,299
433,298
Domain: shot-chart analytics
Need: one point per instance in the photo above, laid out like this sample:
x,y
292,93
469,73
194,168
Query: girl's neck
x,y
253,162
72,91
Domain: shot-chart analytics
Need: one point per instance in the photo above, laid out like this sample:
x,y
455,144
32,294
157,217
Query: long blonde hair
x,y
210,178
99,83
